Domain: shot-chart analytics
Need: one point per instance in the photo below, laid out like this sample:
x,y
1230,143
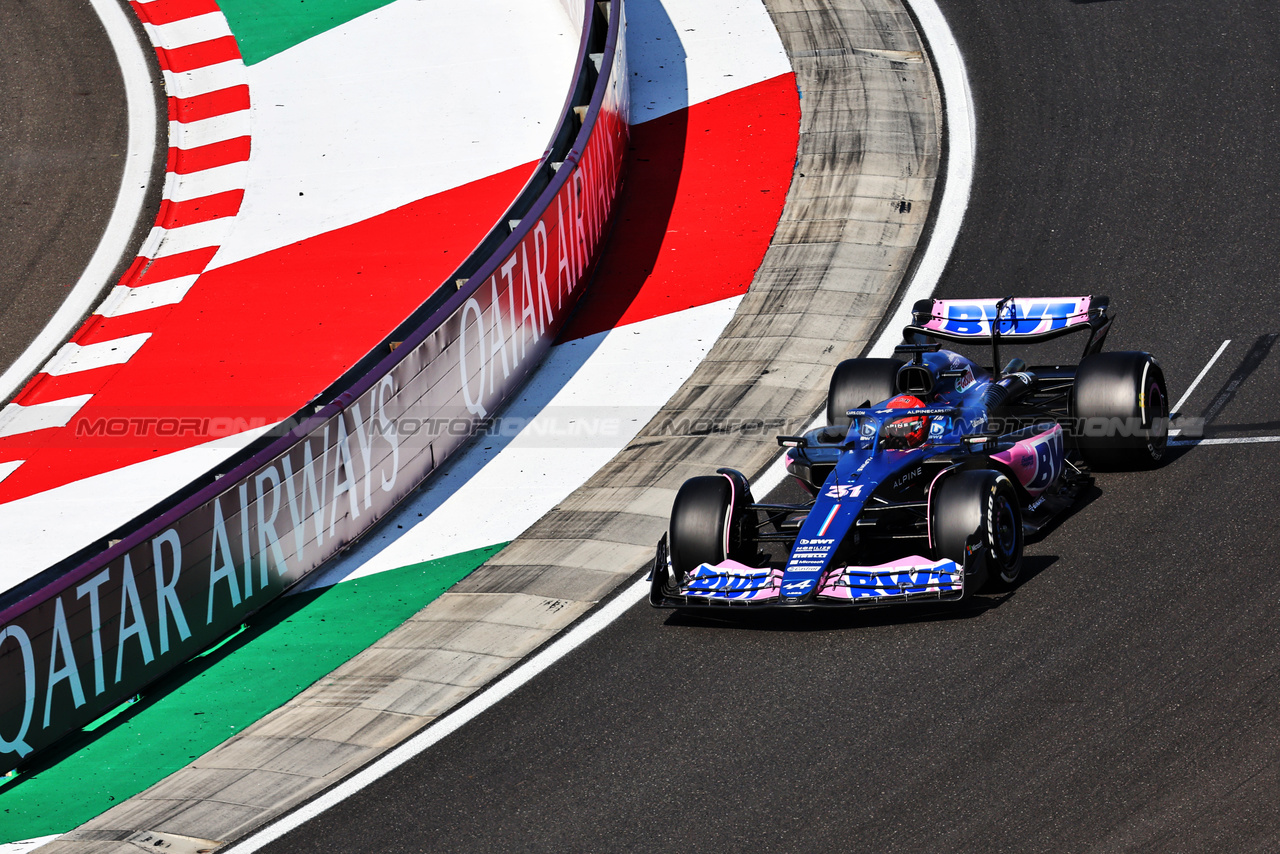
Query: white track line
x,y
1177,407
962,146
1240,440
25,845
189,31
139,152
189,135
451,722
125,300
955,200
962,143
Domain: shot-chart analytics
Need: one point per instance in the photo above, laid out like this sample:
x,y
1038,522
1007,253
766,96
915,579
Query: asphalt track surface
x,y
1124,696
63,133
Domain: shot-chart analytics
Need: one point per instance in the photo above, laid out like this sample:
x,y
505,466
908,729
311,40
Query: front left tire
x,y
981,502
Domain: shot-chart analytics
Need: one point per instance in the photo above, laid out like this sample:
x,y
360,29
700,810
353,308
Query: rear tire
x,y
856,383
709,524
983,502
1121,410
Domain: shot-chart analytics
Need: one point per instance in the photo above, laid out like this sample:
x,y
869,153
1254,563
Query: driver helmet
x,y
904,434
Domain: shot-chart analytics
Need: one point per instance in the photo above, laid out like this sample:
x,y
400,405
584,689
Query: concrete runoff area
x,y
857,207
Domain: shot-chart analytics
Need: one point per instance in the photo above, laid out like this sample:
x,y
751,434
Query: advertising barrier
x,y
99,632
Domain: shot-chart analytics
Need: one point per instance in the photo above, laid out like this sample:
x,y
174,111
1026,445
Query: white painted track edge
x,y
130,202
960,127
961,141
452,721
22,846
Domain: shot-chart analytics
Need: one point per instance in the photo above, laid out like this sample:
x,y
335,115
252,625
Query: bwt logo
x,y
976,318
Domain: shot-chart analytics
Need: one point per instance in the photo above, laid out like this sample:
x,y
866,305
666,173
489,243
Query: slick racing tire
x,y
709,523
1121,411
982,502
857,383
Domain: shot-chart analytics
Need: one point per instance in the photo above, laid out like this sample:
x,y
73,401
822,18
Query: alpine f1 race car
x,y
931,472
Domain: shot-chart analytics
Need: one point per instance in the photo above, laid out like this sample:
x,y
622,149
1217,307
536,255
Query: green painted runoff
x,y
285,648
264,28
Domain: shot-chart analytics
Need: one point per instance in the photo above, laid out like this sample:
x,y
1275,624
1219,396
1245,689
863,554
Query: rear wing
x,y
1012,319
976,321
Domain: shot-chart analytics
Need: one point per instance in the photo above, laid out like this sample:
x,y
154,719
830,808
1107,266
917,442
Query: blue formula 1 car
x,y
932,469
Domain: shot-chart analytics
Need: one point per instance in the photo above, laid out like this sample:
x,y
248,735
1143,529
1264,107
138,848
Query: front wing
x,y
736,585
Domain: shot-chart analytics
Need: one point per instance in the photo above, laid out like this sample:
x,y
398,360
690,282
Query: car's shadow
x,y
868,616
836,618
1087,496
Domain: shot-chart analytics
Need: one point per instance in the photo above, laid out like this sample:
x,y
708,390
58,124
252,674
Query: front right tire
x,y
709,523
857,383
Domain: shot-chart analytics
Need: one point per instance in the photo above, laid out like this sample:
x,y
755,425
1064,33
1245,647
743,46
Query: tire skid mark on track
x,y
782,84
627,594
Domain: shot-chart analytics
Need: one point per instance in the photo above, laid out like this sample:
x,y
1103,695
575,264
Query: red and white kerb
x,y
206,170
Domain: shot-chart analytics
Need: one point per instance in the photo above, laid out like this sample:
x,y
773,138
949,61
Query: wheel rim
x,y
1157,405
1006,531
1157,417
